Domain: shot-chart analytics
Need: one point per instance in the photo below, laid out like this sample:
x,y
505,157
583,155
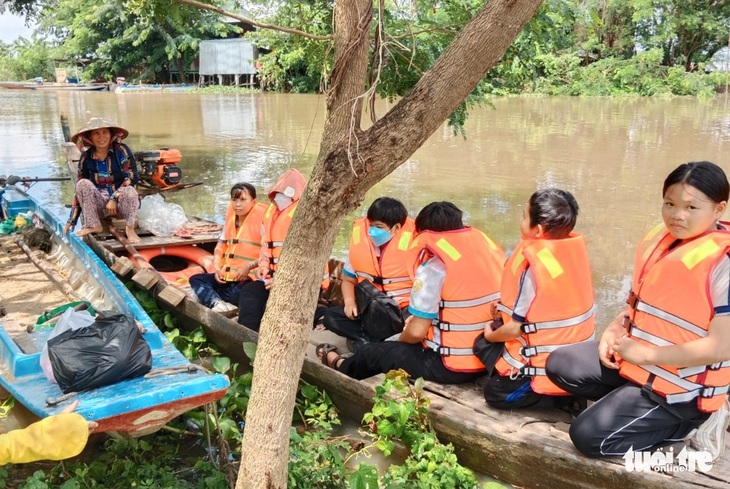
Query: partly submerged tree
x,y
351,160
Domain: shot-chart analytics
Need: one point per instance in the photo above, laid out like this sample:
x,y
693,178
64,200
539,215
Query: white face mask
x,y
282,201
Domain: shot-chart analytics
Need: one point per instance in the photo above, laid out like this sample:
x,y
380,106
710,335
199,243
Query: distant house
x,y
226,59
233,57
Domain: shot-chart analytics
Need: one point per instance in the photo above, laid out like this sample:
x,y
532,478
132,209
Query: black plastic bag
x,y
380,315
108,351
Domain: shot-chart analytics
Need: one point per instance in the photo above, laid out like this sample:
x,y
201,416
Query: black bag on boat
x,y
380,315
108,351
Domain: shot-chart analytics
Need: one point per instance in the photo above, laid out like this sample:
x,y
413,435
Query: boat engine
x,y
159,168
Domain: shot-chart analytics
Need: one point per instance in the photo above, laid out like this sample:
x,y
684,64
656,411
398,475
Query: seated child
x,y
378,254
456,273
236,253
546,302
284,196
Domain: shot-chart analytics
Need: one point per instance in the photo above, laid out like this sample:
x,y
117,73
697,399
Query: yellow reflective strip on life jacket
x,y
448,249
269,211
291,212
700,253
489,241
405,240
550,262
653,232
516,264
356,234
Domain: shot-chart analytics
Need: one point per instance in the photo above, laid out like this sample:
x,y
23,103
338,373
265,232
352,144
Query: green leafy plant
x,y
400,413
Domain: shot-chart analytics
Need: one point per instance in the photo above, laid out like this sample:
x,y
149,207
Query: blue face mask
x,y
378,236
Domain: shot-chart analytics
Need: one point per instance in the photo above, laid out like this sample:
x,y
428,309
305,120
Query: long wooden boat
x,y
527,448
154,88
18,85
133,407
73,87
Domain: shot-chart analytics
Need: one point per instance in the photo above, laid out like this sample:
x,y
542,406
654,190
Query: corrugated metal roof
x,y
227,57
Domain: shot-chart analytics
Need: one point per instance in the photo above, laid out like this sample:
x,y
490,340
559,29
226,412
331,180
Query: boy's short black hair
x,y
388,211
240,187
556,210
439,216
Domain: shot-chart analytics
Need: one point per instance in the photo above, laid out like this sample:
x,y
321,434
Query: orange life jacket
x,y
240,245
671,304
473,270
276,225
390,272
562,312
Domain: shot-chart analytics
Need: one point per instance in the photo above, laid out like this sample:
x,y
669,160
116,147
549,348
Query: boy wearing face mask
x,y
378,253
284,197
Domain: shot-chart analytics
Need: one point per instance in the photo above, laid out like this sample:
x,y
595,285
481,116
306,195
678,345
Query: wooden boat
x,y
73,87
528,448
154,88
133,407
18,85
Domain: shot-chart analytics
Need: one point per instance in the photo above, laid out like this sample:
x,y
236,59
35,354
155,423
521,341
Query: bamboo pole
x,y
46,267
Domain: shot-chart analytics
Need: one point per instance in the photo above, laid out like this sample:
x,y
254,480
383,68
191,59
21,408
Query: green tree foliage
x,y
293,63
555,53
25,59
688,32
138,39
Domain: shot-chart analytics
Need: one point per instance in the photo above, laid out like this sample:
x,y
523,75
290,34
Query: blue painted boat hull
x,y
135,406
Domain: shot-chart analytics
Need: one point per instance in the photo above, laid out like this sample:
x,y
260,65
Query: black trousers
x,y
336,321
503,392
625,416
382,357
252,304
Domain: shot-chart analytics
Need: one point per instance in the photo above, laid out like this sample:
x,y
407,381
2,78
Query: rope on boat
x,y
190,368
54,401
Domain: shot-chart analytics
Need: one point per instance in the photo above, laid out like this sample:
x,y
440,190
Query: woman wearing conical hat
x,y
107,175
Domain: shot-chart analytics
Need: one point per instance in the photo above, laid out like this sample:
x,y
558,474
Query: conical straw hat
x,y
81,138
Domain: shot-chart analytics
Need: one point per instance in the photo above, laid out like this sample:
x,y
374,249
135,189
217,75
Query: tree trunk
x,y
181,73
350,162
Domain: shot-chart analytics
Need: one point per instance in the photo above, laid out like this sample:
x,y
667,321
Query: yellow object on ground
x,y
54,438
20,221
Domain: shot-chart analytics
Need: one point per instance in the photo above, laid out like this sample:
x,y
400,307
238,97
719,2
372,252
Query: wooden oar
x,y
137,260
170,294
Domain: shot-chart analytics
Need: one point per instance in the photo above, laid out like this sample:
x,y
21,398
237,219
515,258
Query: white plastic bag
x,y
159,217
69,320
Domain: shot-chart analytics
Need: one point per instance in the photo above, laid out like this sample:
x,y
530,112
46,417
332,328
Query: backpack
x,y
379,314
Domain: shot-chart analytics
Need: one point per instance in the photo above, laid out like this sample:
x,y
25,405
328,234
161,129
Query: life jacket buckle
x,y
528,351
528,371
632,300
708,392
528,328
627,324
444,326
378,281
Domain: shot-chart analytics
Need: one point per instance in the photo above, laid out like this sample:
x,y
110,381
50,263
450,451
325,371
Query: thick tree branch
x,y
260,25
